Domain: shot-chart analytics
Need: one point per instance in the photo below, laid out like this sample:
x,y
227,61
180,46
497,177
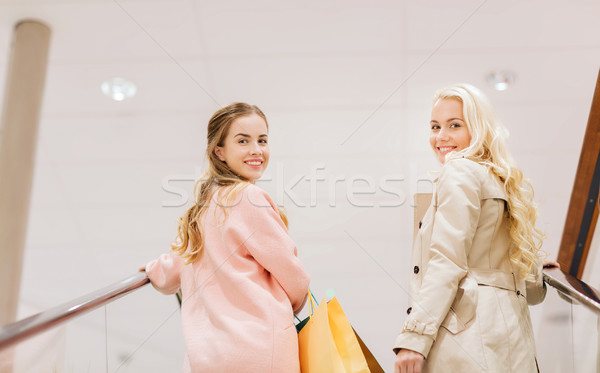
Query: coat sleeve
x,y
165,273
454,225
256,224
536,288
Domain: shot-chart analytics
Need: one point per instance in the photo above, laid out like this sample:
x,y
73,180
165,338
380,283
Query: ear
x,y
219,153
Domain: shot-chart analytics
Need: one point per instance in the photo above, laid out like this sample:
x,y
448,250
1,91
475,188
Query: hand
x,y
408,361
547,263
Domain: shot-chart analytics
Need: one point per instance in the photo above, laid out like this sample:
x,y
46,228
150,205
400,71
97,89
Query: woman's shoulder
x,y
253,190
462,169
241,195
472,174
252,196
251,205
463,164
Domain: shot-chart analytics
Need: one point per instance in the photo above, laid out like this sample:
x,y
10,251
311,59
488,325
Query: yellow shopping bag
x,y
328,343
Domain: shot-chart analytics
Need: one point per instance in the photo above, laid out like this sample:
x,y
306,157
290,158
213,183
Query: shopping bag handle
x,y
311,303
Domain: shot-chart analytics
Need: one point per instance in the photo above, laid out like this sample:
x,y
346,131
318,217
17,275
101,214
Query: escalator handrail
x,y
573,288
566,284
38,323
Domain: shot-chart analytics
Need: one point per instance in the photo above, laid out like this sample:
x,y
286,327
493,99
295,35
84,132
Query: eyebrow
x,y
246,135
449,120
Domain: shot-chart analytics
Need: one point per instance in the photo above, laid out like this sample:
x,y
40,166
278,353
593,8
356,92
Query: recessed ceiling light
x,y
501,79
118,89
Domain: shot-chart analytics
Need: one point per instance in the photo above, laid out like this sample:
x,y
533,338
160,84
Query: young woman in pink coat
x,y
236,266
476,258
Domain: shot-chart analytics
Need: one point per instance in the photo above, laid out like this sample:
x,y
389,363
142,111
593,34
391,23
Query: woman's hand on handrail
x,y
547,264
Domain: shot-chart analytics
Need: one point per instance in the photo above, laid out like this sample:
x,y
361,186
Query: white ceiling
x,y
346,86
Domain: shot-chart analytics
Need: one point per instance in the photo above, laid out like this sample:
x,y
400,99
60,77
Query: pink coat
x,y
239,297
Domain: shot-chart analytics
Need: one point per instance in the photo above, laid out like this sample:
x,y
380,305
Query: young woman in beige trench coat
x,y
476,263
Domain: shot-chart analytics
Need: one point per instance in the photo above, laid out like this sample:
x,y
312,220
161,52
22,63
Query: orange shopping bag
x,y
328,343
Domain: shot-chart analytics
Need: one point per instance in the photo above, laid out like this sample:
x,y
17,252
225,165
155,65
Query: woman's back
x,y
463,246
238,298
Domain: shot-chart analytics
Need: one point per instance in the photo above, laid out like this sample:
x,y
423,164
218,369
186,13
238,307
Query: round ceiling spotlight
x,y
118,89
501,79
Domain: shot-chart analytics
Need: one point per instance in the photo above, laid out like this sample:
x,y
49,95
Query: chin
x,y
253,178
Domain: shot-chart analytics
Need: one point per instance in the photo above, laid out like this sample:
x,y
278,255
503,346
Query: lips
x,y
254,162
446,149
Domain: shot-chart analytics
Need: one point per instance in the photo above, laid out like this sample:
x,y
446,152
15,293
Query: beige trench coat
x,y
468,305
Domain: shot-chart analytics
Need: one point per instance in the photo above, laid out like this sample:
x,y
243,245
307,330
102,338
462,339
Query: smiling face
x,y
449,130
245,148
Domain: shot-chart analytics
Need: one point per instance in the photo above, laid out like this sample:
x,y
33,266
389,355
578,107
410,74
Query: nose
x,y
443,134
255,149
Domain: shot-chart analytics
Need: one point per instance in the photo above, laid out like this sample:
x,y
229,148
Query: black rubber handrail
x,y
38,323
573,288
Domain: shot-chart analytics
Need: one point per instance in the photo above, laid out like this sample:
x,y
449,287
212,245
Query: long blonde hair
x,y
488,147
190,239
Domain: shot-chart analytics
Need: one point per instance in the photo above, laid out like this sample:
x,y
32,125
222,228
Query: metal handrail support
x,y
573,288
30,326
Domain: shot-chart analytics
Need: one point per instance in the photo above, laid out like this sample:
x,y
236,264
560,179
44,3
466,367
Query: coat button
x,y
420,223
518,292
409,310
416,269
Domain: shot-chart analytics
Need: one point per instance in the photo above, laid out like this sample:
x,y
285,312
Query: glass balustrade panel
x,y
78,345
144,333
554,333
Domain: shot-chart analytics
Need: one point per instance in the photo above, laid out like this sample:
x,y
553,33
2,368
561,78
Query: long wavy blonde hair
x,y
190,239
488,147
